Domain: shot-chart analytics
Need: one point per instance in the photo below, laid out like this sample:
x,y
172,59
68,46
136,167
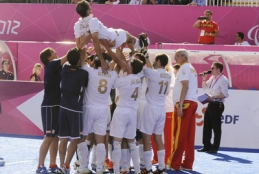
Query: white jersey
x,y
158,85
99,87
186,72
92,25
169,105
128,88
242,43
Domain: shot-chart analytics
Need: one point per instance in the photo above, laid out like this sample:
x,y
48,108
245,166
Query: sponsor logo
x,y
253,34
226,119
9,27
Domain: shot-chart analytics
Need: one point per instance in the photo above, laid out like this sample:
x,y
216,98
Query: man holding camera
x,y
209,29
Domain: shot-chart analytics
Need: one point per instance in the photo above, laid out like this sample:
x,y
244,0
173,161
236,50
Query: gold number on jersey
x,y
135,94
162,83
102,88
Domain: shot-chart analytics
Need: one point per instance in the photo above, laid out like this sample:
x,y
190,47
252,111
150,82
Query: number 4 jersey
x,y
158,84
128,88
99,87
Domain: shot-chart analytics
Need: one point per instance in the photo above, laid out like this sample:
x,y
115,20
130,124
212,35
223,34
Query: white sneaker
x,y
85,171
76,164
64,170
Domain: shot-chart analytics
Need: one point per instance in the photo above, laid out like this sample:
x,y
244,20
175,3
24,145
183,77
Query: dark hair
x,y
73,56
163,59
137,66
176,66
141,57
5,60
218,65
97,62
45,54
82,7
241,35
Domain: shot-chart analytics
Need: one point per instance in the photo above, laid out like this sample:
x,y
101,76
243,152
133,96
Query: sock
x,y
52,166
140,150
88,144
147,158
161,159
128,158
100,157
135,156
93,155
82,155
109,151
123,160
116,156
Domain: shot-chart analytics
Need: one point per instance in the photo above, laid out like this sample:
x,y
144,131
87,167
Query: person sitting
x,y
240,39
5,74
36,71
197,3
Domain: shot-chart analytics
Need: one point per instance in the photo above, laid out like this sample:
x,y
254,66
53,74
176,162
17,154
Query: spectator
x,y
208,28
36,72
112,2
151,2
197,3
240,39
5,74
135,2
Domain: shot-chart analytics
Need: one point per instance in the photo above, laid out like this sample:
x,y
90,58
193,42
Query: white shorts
x,y
124,123
153,120
95,120
141,105
120,38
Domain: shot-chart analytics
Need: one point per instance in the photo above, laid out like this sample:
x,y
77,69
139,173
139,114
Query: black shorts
x,y
70,124
49,117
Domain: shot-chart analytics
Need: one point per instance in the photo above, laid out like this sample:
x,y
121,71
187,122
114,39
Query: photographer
x,y
209,29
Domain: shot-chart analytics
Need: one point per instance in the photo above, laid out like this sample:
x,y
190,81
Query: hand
x,y
90,49
180,112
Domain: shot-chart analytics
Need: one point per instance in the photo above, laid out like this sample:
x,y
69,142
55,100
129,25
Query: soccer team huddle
x,y
80,96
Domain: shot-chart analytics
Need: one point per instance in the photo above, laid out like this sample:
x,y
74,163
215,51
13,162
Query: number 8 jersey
x,y
99,87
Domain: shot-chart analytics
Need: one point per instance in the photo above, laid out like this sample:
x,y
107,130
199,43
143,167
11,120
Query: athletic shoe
x,y
144,171
76,164
85,171
105,170
2,162
106,162
154,162
142,166
183,168
157,171
124,171
42,170
64,170
55,170
110,166
93,166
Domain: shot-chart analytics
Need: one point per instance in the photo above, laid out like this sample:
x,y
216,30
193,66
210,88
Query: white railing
x,y
235,3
